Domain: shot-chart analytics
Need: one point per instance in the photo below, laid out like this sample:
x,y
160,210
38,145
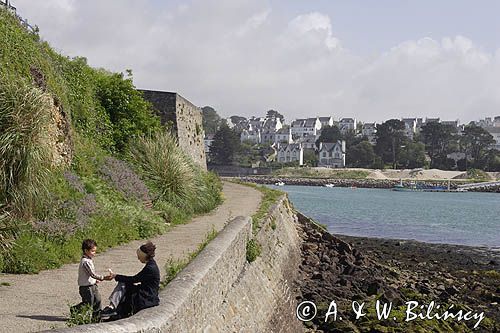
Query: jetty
x,y
483,185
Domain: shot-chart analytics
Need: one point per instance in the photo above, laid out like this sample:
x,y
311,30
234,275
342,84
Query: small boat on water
x,y
329,185
279,184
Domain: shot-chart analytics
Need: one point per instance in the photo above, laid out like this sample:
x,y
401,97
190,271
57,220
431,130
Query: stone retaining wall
x,y
219,291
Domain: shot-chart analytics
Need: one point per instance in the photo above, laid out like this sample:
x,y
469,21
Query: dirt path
x,y
40,302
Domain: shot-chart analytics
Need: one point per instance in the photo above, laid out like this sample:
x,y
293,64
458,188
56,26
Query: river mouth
x,y
470,219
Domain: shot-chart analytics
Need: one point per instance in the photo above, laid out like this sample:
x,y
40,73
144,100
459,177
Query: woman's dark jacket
x,y
147,291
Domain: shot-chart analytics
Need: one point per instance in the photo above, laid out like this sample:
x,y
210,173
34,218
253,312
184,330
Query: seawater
x,y
452,218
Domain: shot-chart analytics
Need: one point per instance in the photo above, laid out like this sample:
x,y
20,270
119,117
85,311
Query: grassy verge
x,y
321,173
174,266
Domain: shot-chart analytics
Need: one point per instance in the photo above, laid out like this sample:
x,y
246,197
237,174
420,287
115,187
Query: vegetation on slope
x,y
106,193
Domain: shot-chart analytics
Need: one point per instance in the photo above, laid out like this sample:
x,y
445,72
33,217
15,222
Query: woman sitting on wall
x,y
135,293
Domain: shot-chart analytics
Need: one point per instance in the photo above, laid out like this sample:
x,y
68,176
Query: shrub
x,y
119,175
24,158
129,113
253,250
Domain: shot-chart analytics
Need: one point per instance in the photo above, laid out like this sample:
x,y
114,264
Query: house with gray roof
x,y
291,153
305,127
332,155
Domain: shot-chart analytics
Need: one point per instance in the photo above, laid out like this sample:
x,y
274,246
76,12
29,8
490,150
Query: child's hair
x,y
148,248
88,244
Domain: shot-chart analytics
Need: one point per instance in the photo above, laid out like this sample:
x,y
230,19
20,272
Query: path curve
x,y
39,302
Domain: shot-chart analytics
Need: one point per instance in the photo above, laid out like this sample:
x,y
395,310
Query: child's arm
x,y
90,271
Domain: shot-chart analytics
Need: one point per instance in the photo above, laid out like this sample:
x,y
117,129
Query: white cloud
x,y
242,57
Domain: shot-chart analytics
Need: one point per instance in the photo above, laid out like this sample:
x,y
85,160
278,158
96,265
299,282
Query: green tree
x,y
329,134
390,139
412,155
361,155
211,120
439,140
129,113
274,113
475,142
225,146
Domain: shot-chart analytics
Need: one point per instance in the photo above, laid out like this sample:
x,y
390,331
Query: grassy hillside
x,y
126,180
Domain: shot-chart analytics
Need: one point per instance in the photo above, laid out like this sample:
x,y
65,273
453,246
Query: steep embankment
x,y
82,155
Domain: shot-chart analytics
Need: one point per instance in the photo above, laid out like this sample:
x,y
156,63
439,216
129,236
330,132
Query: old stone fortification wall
x,y
186,120
219,291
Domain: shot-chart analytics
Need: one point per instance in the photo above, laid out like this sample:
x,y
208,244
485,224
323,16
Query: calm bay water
x,y
453,218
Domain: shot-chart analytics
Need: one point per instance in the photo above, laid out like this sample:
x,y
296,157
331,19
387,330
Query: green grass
x,y
174,266
321,173
478,175
270,197
81,316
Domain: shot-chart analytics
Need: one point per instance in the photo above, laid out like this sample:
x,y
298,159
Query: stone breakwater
x,y
362,183
363,270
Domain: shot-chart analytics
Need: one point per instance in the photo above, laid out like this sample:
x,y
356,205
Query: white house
x,y
347,124
452,123
332,155
253,136
272,124
326,121
370,131
284,135
495,132
291,153
268,136
305,127
410,127
208,142
309,141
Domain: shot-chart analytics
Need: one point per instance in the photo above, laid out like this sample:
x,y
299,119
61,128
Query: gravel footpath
x,y
40,302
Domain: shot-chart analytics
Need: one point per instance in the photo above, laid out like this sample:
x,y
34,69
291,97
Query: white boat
x,y
279,184
329,185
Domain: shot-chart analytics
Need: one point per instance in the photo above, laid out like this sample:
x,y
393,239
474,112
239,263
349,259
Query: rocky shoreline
x,y
346,269
361,183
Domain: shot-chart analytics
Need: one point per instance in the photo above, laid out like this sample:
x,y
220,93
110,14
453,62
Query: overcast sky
x,y
372,60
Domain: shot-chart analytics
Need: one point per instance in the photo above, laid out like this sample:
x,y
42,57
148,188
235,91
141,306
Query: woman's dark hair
x,y
88,244
148,248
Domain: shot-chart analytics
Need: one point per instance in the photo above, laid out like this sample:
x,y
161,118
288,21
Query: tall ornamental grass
x,y
175,181
24,157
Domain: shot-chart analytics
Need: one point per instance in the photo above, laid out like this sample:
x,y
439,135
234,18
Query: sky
x,y
370,60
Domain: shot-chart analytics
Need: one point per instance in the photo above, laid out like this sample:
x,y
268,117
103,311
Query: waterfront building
x,y
332,155
293,152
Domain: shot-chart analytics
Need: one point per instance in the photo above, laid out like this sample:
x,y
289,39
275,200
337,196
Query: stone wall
x,y
186,120
219,291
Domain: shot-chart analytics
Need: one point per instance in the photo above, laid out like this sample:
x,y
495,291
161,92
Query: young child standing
x,y
87,278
